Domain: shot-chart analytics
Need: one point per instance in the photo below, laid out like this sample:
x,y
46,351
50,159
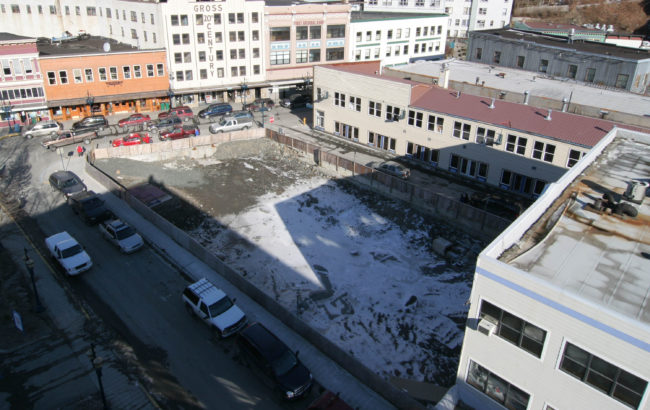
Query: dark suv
x,y
276,361
92,123
215,109
91,209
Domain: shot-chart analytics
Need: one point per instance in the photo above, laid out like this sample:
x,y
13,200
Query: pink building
x,y
22,99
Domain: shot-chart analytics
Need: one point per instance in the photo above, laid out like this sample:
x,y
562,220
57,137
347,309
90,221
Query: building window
x,y
88,72
280,33
572,71
188,75
134,34
198,19
355,103
233,72
186,38
415,118
374,109
174,20
589,75
52,9
176,39
314,32
76,74
241,36
256,52
346,131
381,141
91,11
203,74
240,18
161,69
435,123
485,136
280,57
314,55
301,56
77,10
113,72
134,17
220,73
184,20
219,55
216,19
137,73
574,156
179,76
102,74
333,54
515,330
151,19
256,69
200,38
51,78
302,33
339,99
543,151
602,375
233,54
63,77
255,17
255,35
392,113
479,53
520,61
621,81
150,72
543,66
496,388
496,59
218,37
202,58
516,144
336,31
461,130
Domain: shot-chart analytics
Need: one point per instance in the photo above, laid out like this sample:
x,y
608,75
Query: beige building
x,y
513,146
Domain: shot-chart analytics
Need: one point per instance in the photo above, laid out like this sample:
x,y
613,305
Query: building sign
x,y
281,46
207,8
335,43
301,44
314,44
309,23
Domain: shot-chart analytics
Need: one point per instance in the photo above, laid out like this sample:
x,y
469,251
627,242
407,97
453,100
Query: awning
x,y
231,87
107,98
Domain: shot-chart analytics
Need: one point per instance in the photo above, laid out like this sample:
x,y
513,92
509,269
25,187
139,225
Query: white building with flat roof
x,y
397,38
559,312
464,15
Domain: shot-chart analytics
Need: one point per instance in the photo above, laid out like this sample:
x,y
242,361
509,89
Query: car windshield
x,y
71,251
220,306
69,182
282,364
124,233
222,122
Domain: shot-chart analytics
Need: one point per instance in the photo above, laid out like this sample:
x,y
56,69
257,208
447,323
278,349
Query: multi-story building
x,y
603,65
22,98
464,15
397,38
100,76
130,22
559,315
512,146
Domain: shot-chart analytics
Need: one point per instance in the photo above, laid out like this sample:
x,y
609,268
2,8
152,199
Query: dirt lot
x,y
357,266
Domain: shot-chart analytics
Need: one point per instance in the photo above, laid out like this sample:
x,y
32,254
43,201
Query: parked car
x,y
121,235
67,182
66,137
395,169
239,115
213,110
92,123
230,124
296,101
68,253
132,139
214,307
134,119
275,360
89,207
42,128
259,104
165,123
178,132
182,112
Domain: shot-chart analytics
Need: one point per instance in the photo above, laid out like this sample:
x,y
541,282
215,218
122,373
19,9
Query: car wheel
x,y
87,141
246,127
29,136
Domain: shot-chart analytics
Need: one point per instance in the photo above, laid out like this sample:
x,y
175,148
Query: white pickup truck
x,y
67,251
214,307
229,124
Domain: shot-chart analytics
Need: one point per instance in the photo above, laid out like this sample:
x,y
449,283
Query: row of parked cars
x,y
260,347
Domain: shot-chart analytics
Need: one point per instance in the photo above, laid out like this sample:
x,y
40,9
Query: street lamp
x,y
244,88
29,263
170,94
97,363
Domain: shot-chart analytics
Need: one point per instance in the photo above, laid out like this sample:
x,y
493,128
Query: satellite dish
x,y
107,47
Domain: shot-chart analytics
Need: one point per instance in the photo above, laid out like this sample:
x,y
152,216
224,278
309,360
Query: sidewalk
x,y
325,371
47,365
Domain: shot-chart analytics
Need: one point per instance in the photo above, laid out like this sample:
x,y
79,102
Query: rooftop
x,y
358,16
595,255
90,45
508,116
562,43
9,37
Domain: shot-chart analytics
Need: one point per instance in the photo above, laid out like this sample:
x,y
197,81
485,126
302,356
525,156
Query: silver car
x,y
395,169
42,128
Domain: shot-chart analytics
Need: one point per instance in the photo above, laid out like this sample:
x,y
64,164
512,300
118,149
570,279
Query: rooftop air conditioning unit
x,y
486,327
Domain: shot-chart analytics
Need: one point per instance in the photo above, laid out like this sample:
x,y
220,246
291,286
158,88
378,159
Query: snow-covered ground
x,y
393,304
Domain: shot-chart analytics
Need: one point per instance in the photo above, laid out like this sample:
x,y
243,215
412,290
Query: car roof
x,y
64,175
266,342
207,291
117,224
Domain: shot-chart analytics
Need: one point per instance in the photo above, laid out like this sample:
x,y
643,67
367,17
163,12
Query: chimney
x,y
565,104
445,75
526,97
492,103
457,94
548,116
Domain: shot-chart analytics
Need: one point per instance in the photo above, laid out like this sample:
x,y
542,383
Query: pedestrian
x,y
80,150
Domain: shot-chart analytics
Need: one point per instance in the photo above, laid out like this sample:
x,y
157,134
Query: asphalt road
x,y
138,298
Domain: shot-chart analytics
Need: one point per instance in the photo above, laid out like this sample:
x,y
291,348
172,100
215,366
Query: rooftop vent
x,y
636,191
548,116
457,94
492,103
565,104
526,97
